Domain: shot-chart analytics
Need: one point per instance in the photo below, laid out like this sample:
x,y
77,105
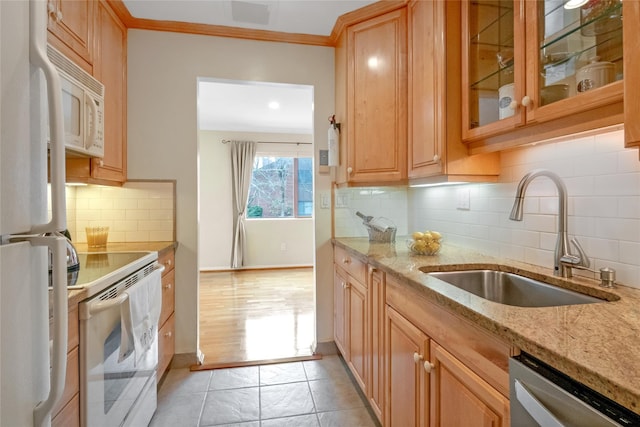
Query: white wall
x,y
265,237
163,69
603,183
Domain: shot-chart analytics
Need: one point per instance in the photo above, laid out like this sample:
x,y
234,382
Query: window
x,y
281,187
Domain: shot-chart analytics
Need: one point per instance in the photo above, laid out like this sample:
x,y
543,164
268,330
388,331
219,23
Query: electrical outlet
x,y
464,199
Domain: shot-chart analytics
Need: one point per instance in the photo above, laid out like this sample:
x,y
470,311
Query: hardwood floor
x,y
256,315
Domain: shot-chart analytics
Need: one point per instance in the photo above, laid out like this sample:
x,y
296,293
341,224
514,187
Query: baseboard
x,y
206,366
326,348
184,360
256,268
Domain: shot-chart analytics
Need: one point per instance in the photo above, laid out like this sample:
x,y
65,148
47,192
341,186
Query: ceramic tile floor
x,y
316,393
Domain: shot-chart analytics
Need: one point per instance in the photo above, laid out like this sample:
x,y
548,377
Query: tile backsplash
x,y
386,202
603,184
136,212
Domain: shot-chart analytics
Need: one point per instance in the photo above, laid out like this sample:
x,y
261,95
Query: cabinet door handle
x,y
167,286
526,101
168,334
346,260
347,285
417,357
513,105
59,16
350,170
428,366
436,158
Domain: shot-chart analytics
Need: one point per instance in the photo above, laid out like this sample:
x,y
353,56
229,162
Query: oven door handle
x,y
535,408
100,306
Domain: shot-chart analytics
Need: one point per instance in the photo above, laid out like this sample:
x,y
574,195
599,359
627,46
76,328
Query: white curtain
x,y
242,156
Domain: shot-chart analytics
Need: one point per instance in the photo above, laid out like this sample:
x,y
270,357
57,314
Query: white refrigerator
x,y
32,360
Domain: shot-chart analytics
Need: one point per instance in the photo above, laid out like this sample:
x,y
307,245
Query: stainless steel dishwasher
x,y
543,396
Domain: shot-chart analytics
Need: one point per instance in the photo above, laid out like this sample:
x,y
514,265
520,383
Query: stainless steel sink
x,y
512,289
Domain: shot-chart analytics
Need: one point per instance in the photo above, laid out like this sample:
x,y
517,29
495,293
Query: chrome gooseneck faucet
x,y
563,259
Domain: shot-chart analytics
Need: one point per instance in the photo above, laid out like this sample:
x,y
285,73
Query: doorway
x,y
266,309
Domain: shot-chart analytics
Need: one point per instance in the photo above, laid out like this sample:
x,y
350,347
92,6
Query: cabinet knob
x,y
51,9
101,163
167,286
417,357
436,158
346,260
350,170
513,105
347,285
59,16
526,101
428,367
168,334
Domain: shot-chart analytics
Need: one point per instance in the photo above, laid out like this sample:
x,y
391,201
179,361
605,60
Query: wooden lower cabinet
x,y
358,331
407,399
166,345
418,363
459,397
166,332
350,323
376,305
340,296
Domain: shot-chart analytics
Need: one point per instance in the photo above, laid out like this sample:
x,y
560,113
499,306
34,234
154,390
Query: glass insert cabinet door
x,y
523,58
493,52
579,46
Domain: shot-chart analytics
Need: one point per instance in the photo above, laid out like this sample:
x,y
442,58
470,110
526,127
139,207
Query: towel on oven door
x,y
139,316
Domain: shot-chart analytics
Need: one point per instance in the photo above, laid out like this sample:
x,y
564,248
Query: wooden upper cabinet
x,y
110,68
436,151
533,70
427,92
71,29
374,53
631,10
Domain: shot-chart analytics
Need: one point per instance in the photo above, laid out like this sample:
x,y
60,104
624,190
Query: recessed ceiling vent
x,y
254,13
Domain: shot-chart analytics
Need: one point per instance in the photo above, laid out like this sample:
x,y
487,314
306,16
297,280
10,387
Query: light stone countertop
x,y
596,344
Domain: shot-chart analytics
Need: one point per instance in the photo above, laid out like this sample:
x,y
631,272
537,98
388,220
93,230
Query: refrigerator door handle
x,y
58,248
38,58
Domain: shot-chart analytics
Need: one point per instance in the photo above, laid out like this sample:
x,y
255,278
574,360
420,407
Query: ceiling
x,y
255,107
244,106
289,16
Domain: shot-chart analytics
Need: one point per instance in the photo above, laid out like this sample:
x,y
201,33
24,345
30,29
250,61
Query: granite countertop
x,y
596,344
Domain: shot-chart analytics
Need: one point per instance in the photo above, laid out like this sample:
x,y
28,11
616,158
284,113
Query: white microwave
x,y
83,108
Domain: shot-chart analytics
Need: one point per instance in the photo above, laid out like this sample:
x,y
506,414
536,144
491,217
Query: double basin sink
x,y
512,289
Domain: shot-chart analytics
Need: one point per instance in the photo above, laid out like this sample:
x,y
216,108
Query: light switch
x,y
341,201
325,201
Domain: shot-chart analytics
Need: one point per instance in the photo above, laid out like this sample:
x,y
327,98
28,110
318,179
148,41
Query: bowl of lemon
x,y
425,242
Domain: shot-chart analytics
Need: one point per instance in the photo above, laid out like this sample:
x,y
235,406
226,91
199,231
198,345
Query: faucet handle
x,y
583,259
576,261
